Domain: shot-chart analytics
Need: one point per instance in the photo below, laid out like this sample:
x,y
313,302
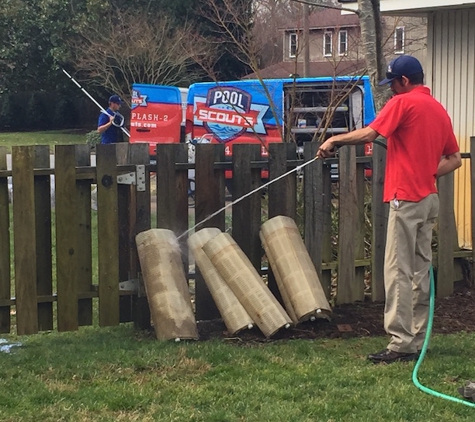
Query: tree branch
x,y
326,6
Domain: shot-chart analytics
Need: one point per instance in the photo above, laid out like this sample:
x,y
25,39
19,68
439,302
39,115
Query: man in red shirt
x,y
421,147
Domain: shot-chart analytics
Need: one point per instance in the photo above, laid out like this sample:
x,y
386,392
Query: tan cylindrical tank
x,y
165,285
234,315
295,273
283,292
243,279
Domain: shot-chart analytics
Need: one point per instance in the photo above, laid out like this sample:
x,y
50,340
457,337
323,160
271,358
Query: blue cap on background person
x,y
115,99
402,66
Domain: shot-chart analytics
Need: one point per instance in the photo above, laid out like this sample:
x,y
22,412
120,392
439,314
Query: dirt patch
x,y
452,314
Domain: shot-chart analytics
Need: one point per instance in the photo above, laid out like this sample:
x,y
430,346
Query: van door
x,y
156,116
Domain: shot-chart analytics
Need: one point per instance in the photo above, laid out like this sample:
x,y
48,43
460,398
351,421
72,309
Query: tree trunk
x,y
371,30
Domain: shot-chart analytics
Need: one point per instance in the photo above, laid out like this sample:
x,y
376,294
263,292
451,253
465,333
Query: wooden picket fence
x,y
70,265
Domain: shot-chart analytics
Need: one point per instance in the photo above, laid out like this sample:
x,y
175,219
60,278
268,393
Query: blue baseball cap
x,y
115,99
401,66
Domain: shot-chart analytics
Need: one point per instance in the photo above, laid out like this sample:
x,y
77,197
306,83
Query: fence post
x,y
379,215
24,240
108,234
44,265
209,199
447,233
247,213
5,281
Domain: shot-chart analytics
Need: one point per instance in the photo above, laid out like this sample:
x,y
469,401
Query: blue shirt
x,y
111,134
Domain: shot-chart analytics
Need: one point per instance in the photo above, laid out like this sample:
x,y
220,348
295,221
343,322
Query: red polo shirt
x,y
419,132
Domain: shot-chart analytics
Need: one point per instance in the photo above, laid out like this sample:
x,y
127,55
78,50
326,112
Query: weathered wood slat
x,y
23,159
246,214
66,237
108,234
347,289
472,202
360,225
172,184
209,199
7,303
84,247
379,215
317,214
5,280
126,215
139,154
282,194
44,265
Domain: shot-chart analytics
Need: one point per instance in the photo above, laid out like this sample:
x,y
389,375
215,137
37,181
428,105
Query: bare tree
x,y
371,37
122,50
231,21
371,34
226,16
269,17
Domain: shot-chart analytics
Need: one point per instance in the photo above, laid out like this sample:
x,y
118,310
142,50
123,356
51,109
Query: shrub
x,y
37,117
93,138
64,114
11,116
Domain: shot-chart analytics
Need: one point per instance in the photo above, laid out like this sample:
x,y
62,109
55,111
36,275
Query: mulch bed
x,y
452,314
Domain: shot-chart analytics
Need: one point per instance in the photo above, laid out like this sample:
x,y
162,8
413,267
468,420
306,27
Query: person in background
x,y
109,133
421,147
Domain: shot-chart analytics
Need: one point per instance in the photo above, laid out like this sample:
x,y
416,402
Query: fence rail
x,y
60,260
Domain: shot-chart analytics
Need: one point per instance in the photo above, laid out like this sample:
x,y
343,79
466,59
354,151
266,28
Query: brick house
x,y
334,44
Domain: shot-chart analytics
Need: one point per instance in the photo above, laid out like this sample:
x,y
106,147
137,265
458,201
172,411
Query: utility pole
x,y
306,41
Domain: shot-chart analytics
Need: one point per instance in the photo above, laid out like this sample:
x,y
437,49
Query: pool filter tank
x,y
296,277
246,283
165,284
233,313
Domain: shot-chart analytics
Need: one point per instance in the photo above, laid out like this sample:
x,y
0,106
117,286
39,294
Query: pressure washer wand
x,y
93,100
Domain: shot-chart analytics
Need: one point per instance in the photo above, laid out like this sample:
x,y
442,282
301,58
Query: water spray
x,y
298,168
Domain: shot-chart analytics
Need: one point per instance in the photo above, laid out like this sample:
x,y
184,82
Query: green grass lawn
x,y
52,138
117,374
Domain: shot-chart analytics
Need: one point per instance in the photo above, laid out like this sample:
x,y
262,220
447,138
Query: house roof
x,y
324,18
326,68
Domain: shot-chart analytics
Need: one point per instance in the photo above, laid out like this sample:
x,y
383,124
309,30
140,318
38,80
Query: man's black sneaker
x,y
389,356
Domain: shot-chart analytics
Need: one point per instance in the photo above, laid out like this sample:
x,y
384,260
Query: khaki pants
x,y
408,258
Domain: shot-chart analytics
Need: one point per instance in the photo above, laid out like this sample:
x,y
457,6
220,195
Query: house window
x,y
293,40
342,43
327,43
399,40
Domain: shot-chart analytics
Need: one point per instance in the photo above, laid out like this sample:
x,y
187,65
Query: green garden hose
x,y
424,350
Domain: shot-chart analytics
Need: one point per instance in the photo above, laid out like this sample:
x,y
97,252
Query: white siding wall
x,y
451,50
